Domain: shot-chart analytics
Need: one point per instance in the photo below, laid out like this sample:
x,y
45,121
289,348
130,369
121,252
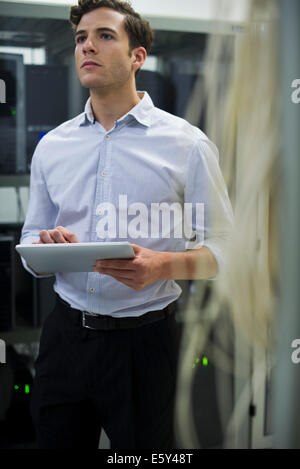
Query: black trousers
x,y
122,380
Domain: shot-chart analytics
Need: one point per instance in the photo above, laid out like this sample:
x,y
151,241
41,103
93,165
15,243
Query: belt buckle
x,y
83,320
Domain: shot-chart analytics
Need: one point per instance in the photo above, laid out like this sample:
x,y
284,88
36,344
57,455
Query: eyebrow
x,y
82,31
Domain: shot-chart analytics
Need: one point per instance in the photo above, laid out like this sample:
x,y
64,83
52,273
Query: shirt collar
x,y
140,112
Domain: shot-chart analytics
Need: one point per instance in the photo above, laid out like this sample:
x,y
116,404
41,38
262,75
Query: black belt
x,y
106,322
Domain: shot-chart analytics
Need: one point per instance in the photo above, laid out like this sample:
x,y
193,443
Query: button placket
x,y
101,195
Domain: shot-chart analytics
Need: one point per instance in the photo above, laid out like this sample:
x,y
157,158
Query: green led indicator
x,y
16,387
13,112
27,389
204,361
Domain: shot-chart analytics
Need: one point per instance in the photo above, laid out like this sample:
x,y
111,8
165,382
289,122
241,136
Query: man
x,y
117,369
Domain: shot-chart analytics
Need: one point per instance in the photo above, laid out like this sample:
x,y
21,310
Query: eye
x,y
80,39
106,36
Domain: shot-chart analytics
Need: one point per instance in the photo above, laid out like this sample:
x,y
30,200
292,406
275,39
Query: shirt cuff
x,y
32,272
218,247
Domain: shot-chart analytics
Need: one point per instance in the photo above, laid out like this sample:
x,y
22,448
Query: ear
x,y
138,56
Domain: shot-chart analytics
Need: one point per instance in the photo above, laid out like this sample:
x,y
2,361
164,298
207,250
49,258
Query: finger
x,y
136,248
115,264
115,273
69,235
45,237
57,236
128,283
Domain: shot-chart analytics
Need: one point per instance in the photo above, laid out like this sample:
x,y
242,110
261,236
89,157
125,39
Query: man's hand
x,y
148,266
145,268
60,234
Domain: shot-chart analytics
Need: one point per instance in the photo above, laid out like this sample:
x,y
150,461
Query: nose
x,y
88,45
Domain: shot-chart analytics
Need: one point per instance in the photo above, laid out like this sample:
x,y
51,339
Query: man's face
x,y
101,38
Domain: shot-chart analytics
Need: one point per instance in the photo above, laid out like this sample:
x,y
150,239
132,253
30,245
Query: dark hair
x,y
138,29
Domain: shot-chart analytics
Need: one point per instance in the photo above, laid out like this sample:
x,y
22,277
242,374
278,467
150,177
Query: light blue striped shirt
x,y
148,157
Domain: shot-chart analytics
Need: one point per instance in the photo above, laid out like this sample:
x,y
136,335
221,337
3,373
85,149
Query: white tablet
x,y
72,257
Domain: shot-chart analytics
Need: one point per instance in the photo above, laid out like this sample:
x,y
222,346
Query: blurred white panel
x,y
24,194
30,56
150,63
8,205
194,9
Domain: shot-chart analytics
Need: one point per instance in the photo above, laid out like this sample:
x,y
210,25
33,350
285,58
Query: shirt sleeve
x,y
206,192
41,212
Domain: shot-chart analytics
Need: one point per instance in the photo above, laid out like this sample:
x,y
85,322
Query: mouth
x,y
90,64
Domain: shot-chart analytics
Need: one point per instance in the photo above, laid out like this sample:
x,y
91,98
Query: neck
x,y
109,105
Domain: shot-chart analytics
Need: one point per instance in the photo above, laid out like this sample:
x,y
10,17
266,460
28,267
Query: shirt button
x,y
98,211
107,136
103,173
92,290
